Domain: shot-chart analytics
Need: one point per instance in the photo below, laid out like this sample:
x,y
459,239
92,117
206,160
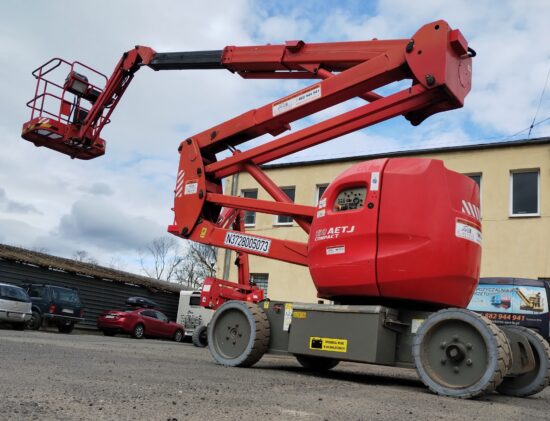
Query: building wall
x,y
512,246
96,294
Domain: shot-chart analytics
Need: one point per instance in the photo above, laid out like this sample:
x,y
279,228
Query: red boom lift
x,y
394,243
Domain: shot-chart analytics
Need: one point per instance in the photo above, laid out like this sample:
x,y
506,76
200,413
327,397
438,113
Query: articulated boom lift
x,y
391,240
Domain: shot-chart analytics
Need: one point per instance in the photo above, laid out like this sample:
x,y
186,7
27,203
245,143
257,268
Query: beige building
x,y
514,178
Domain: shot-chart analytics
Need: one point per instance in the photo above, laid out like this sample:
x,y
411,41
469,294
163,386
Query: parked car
x,y
514,301
56,305
15,306
140,323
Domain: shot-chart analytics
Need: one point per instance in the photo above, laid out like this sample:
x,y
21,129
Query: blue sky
x,y
113,206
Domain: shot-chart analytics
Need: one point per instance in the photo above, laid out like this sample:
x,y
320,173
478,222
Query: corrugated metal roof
x,y
48,261
480,146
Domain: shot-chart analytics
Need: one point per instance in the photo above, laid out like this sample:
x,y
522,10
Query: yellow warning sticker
x,y
328,344
299,314
266,305
204,230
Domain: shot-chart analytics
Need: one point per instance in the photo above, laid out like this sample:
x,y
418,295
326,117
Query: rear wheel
x,y
200,336
534,381
238,334
65,327
35,321
178,336
460,354
139,331
316,363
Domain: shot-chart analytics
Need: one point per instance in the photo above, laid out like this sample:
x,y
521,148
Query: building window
x,y
249,216
320,189
285,219
260,280
476,178
524,193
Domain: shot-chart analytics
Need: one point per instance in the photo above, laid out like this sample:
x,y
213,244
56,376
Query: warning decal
x,y
328,344
296,100
468,232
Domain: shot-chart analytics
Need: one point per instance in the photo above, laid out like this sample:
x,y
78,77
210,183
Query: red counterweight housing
x,y
397,229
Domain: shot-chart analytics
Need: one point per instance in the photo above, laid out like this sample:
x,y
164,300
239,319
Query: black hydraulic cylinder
x,y
187,60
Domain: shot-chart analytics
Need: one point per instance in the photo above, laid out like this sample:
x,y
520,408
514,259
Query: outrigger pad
x,y
52,134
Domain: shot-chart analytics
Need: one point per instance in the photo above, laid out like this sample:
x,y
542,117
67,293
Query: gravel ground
x,y
51,376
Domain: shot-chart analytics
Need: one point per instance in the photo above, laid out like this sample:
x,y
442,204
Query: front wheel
x,y
200,337
238,334
178,336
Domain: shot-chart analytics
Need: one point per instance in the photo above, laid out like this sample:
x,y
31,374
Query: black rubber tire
x,y
491,342
109,333
35,322
252,337
18,326
200,337
536,380
65,327
138,331
317,363
178,336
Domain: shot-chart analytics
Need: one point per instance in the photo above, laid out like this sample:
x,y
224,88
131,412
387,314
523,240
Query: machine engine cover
x,y
398,229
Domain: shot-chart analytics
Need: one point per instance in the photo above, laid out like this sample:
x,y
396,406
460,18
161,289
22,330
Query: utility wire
x,y
540,101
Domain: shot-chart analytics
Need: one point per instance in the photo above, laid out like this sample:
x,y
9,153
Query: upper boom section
x,y
68,115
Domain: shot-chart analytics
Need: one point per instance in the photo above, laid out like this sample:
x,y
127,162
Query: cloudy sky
x,y
114,205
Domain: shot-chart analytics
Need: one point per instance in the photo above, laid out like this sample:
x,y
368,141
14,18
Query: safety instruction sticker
x,y
287,317
468,232
296,100
328,344
191,187
336,250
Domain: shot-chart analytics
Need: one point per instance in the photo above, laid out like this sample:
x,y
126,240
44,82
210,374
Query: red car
x,y
139,323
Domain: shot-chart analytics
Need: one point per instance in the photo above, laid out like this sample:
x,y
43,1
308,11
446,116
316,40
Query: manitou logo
x,y
471,210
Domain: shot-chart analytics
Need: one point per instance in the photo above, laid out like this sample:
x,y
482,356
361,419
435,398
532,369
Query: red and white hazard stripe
x,y
471,210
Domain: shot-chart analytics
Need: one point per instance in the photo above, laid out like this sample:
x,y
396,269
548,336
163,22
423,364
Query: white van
x,y
193,317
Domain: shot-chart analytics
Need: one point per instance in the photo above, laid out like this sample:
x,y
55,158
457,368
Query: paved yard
x,y
51,376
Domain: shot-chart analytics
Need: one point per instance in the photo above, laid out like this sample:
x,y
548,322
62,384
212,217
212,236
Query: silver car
x,y
15,306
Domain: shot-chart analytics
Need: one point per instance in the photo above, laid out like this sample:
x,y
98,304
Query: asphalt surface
x,y
51,376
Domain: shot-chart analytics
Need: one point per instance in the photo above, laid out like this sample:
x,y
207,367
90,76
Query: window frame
x,y
252,275
318,188
277,223
511,213
243,191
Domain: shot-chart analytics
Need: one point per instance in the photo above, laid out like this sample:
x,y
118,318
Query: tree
x,y
163,256
199,262
84,257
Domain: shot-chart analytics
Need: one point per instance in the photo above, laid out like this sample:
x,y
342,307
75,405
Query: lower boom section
x,y
456,352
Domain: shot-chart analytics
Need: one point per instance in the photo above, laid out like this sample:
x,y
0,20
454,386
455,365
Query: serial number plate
x,y
66,310
247,242
109,316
